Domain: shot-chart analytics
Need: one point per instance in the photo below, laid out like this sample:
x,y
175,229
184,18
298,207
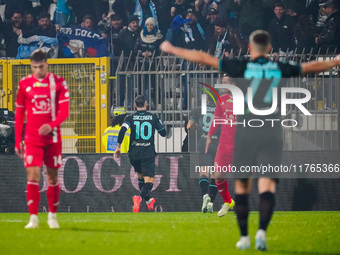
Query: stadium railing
x,y
176,88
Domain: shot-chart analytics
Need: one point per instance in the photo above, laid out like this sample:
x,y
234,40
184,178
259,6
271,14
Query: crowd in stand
x,y
94,28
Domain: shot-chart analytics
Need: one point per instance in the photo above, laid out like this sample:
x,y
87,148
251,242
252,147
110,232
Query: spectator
x,y
45,27
43,37
210,27
11,34
304,30
111,25
127,40
148,44
187,33
127,37
150,38
63,14
281,29
226,38
179,7
330,34
29,22
88,22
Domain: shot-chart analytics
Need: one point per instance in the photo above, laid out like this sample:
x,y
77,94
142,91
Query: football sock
x,y
223,189
33,196
267,203
52,193
242,211
140,183
204,184
146,189
212,190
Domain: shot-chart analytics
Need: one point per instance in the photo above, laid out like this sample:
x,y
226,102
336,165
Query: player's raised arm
x,y
191,55
319,66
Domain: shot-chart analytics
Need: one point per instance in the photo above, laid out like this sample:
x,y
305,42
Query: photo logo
x,y
239,99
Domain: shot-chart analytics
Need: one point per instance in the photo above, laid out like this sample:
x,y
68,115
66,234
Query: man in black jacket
x,y
330,34
127,37
281,29
11,33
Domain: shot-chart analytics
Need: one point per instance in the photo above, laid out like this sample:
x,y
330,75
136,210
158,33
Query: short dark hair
x,y
260,39
88,17
140,101
16,11
44,15
39,56
279,4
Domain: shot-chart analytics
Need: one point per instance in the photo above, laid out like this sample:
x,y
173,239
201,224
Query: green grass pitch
x,y
309,233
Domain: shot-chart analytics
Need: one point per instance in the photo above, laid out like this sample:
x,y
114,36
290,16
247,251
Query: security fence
x,y
2,88
173,88
87,81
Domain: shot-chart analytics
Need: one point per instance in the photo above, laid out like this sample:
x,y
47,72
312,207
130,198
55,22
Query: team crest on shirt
x,y
39,85
29,159
42,104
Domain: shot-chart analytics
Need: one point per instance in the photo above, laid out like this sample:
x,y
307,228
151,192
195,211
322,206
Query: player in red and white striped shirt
x,y
44,99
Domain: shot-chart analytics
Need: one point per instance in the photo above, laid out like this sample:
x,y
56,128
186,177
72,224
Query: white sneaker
x,y
260,240
33,222
210,207
52,221
225,208
243,243
206,200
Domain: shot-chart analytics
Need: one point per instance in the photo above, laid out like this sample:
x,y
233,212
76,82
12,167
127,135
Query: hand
x,y
214,6
337,59
291,12
275,55
117,153
166,46
207,144
45,129
20,151
206,1
316,40
172,12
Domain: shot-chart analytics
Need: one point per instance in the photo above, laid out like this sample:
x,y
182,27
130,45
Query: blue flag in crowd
x,y
78,42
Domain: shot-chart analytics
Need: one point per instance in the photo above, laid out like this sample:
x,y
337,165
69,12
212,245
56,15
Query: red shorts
x,y
224,155
50,154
